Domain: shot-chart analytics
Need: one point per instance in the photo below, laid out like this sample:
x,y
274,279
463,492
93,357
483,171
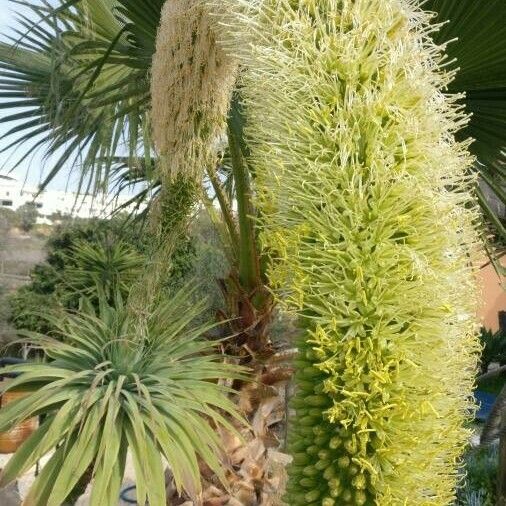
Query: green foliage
x,y
28,215
8,220
62,242
493,348
103,269
85,257
205,265
26,307
480,470
480,54
88,269
48,287
113,384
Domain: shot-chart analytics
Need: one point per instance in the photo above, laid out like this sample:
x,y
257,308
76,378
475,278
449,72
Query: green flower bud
x,y
312,496
335,443
343,462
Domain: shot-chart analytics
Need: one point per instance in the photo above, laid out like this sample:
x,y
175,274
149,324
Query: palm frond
x,y
478,50
81,75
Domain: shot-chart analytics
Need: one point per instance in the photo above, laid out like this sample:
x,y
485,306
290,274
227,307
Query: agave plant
x,y
114,385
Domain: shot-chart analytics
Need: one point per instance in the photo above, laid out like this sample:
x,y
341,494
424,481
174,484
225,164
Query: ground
x,y
19,253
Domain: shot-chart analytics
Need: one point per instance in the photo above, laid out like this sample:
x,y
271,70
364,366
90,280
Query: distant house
x,y
14,194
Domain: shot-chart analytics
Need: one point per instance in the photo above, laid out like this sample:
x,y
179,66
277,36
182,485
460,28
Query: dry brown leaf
x,y
259,424
277,375
217,501
245,493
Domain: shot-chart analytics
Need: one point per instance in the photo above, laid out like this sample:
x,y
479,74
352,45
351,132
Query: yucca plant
x,y
113,385
104,269
367,211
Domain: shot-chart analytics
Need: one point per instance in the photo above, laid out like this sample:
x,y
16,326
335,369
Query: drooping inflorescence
x,y
191,87
192,83
367,211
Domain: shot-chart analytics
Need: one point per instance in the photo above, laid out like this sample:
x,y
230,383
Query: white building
x,y
14,194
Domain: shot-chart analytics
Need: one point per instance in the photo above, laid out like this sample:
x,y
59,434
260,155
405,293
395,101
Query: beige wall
x,y
494,296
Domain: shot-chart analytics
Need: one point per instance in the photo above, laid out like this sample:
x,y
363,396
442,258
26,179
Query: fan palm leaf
x,y
478,32
80,75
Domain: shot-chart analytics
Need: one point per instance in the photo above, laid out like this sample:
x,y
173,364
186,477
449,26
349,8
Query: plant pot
x,y
11,440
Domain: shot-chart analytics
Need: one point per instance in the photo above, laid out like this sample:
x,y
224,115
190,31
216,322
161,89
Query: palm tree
x,y
80,72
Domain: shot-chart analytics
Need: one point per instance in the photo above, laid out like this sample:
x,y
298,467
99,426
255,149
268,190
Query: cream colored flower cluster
x,y
368,214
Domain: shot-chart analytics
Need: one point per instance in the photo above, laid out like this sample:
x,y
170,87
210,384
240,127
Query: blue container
x,y
485,401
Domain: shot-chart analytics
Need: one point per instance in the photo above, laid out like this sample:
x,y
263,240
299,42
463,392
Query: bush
x,y
8,219
26,306
28,215
47,287
479,485
494,348
83,253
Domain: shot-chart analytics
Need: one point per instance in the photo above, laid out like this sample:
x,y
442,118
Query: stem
x,y
249,264
226,209
230,246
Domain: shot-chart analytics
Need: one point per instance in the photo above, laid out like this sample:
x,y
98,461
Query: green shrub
x,y
26,307
28,215
479,484
494,348
8,220
82,254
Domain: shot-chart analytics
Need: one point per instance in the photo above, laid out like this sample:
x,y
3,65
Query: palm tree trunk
x,y
249,305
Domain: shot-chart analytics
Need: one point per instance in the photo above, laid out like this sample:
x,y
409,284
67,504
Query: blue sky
x,y
31,170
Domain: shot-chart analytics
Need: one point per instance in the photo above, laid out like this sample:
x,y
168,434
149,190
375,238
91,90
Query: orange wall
x,y
494,297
